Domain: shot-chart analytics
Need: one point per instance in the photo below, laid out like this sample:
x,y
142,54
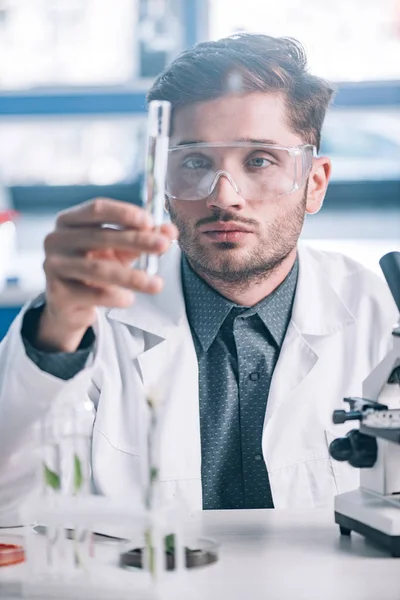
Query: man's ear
x,y
317,184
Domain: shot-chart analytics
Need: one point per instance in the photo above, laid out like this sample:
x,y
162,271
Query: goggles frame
x,y
306,151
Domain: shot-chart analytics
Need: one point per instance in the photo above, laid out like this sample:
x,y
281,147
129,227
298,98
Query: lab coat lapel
x,y
297,359
168,365
161,314
160,318
317,313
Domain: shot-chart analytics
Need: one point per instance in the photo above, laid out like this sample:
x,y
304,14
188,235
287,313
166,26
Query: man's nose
x,y
225,193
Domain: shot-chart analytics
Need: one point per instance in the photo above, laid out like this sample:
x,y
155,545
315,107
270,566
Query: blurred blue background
x,y
73,79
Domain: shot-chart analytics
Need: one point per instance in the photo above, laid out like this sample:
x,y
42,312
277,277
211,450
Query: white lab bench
x,y
282,555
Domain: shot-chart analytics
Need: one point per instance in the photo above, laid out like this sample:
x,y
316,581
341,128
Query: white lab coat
x,y
340,329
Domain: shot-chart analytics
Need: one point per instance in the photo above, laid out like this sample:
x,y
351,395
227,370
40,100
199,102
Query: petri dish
x,y
199,552
11,551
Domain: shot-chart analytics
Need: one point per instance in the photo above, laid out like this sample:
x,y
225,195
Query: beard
x,y
220,263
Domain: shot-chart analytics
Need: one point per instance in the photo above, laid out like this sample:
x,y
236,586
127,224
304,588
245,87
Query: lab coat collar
x,y
317,310
162,313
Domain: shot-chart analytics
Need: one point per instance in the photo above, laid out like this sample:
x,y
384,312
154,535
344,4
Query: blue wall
x,y
7,315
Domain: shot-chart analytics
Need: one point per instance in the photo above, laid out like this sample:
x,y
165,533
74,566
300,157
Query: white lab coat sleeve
x,y
26,395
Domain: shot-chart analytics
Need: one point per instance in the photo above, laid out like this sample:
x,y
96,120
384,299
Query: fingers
x,y
100,273
169,230
69,241
90,253
110,296
103,210
103,223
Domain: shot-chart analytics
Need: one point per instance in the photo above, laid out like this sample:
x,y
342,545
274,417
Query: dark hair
x,y
252,63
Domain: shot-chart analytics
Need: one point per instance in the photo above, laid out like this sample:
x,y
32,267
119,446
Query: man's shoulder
x,y
339,264
340,267
353,282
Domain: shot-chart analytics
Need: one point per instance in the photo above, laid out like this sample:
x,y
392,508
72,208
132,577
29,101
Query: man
x,y
252,341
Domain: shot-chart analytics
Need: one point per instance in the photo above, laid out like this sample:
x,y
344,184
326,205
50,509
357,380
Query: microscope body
x,y
373,510
384,477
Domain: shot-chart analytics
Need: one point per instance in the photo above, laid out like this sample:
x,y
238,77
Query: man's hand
x,y
87,264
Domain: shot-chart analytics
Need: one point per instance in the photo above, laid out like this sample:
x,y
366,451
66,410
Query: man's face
x,y
267,228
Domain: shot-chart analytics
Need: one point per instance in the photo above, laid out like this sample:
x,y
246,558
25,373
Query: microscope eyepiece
x,y
390,265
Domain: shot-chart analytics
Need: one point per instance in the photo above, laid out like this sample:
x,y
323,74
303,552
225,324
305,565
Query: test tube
x,y
156,170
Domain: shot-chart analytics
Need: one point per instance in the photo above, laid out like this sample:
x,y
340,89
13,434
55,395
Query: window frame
x,y
131,99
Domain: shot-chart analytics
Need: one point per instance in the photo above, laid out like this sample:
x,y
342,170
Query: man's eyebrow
x,y
186,142
258,141
247,139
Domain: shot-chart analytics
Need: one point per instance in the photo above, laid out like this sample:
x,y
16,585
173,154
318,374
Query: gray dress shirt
x,y
237,350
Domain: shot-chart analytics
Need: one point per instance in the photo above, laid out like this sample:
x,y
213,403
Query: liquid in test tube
x,y
156,170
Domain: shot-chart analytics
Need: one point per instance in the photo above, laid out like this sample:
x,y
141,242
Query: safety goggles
x,y
255,171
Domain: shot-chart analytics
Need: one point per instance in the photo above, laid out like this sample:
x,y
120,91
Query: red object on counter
x,y
11,554
7,215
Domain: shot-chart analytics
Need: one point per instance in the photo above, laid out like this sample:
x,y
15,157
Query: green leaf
x,y
153,473
78,477
170,543
51,478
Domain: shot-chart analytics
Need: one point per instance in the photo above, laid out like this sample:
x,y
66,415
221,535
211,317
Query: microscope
x,y
373,510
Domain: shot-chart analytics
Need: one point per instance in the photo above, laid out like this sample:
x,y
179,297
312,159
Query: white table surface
x,y
279,555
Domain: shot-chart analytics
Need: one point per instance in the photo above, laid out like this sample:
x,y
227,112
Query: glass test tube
x,y
156,171
66,473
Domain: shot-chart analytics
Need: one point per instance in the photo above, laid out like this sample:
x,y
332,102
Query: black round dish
x,y
194,558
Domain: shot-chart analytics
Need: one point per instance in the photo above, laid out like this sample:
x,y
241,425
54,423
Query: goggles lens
x,y
257,171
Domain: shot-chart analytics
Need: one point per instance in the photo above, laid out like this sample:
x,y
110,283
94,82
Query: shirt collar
x,y
207,309
275,310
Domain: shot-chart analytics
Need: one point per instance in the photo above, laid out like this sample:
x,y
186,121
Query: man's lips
x,y
226,232
222,227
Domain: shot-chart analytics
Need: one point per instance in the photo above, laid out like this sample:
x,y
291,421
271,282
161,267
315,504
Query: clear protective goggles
x,y
256,171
